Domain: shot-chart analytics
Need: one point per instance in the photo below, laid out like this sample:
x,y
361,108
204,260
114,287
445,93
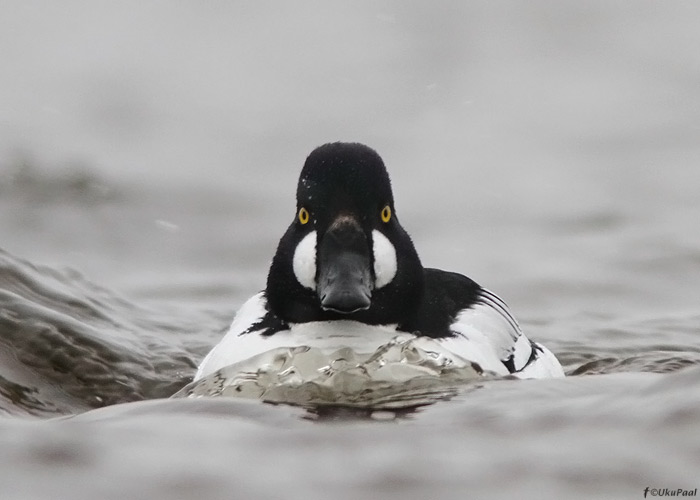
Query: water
x,y
402,374
549,150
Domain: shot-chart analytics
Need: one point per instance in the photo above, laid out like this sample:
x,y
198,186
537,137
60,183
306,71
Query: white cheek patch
x,y
384,259
304,262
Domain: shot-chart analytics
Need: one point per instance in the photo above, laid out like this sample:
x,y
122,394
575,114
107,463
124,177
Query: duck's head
x,y
345,255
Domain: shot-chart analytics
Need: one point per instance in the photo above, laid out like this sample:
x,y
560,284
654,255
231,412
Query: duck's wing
x,y
487,333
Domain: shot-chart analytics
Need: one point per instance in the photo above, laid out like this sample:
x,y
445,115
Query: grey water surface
x,y
148,160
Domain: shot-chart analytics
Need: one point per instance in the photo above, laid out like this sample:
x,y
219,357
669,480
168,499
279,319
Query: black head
x,y
345,256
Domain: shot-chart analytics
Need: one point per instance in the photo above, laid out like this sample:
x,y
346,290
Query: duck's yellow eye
x,y
303,215
386,214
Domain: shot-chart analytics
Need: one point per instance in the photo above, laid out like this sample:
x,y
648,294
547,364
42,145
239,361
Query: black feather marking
x,y
268,325
509,363
444,296
495,302
534,354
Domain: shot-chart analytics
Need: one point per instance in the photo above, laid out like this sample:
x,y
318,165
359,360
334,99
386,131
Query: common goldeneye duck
x,y
346,274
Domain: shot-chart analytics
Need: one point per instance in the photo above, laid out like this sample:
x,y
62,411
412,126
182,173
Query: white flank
x,y
252,311
384,259
327,336
304,262
545,366
487,337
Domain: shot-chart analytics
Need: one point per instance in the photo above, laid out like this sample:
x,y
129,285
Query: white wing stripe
x,y
491,299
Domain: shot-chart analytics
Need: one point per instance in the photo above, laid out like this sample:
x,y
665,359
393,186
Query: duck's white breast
x,y
239,344
483,334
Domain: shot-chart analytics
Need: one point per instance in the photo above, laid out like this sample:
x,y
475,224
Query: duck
x,y
347,274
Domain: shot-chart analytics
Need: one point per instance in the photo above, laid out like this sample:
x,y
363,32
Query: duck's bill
x,y
344,283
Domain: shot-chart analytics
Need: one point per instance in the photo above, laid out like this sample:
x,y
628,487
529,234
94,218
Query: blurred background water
x,y
148,160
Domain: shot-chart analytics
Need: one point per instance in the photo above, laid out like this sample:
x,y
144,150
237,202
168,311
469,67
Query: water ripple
x,y
67,345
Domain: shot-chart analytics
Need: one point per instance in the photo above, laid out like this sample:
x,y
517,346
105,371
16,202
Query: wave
x,y
67,345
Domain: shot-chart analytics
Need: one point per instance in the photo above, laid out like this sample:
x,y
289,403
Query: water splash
x,y
400,374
